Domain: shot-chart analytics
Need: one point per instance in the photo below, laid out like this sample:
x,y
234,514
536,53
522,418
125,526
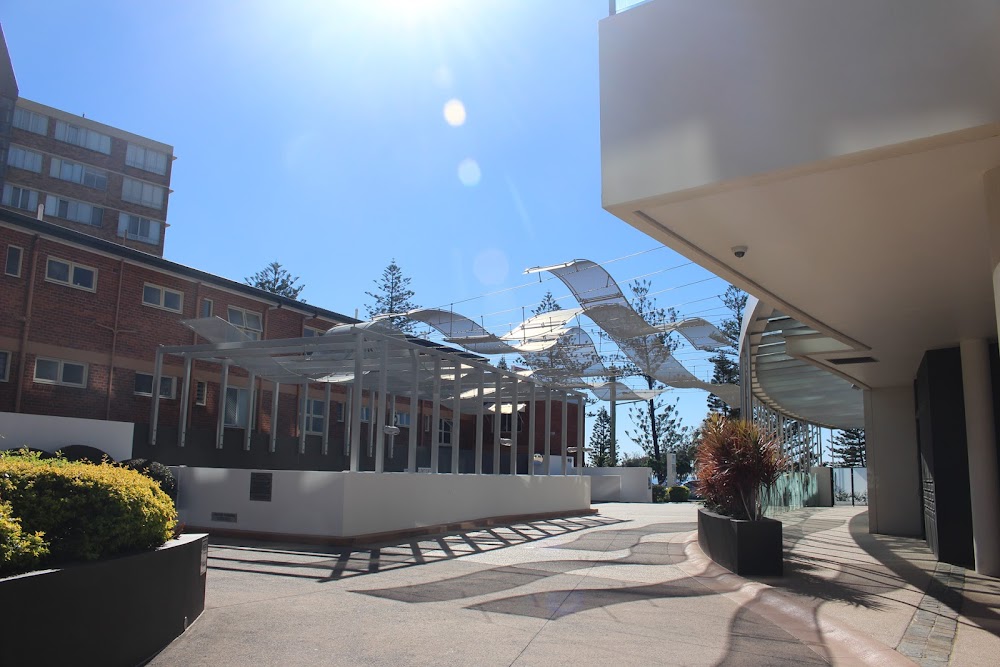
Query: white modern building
x,y
840,161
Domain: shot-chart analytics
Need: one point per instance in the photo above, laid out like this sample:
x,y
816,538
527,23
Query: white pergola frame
x,y
398,368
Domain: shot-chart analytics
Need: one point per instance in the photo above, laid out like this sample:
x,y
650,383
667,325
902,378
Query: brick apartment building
x,y
87,297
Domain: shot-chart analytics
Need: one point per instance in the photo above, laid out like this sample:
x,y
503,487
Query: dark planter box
x,y
744,547
120,611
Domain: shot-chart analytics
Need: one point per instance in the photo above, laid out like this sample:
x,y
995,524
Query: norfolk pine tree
x,y
276,280
393,295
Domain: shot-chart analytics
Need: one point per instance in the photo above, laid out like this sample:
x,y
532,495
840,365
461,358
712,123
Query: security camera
x,y
739,251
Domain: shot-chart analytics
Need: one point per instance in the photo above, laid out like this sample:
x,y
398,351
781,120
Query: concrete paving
x,y
627,586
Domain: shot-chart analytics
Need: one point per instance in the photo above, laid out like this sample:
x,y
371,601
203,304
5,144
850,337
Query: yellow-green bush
x,y
19,551
86,511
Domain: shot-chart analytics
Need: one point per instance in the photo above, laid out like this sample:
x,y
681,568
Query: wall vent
x,y
852,360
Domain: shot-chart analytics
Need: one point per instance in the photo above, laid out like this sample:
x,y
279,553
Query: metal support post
x,y
456,420
411,452
531,428
383,387
513,426
154,417
565,430
547,456
359,359
223,390
497,407
326,420
581,441
480,395
185,407
304,391
436,416
275,393
251,402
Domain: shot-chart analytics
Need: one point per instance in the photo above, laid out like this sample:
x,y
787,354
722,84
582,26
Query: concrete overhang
x,y
844,143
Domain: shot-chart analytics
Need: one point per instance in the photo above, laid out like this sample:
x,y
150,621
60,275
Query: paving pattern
x,y
624,587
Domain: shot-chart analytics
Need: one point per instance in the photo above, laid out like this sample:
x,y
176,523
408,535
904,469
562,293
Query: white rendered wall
x,y
894,496
54,433
346,504
696,93
635,484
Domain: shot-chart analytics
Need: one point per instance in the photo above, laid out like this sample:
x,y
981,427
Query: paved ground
x,y
628,586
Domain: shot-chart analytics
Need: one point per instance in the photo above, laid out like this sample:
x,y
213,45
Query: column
x,y
223,390
513,426
304,397
496,423
984,481
411,451
456,419
326,420
251,403
275,392
547,456
532,410
480,395
356,397
565,430
379,423
154,417
185,406
436,416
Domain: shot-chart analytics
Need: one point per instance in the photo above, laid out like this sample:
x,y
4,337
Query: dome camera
x,y
739,251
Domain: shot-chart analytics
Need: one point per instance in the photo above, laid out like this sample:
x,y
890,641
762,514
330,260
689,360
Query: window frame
x,y
31,116
60,372
131,149
84,133
509,418
211,307
72,269
444,429
259,333
200,392
173,386
163,298
56,165
310,332
140,201
26,151
56,210
5,375
244,417
401,416
125,223
20,261
21,190
311,415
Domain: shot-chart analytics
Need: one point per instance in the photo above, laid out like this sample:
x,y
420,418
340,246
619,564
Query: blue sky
x,y
313,133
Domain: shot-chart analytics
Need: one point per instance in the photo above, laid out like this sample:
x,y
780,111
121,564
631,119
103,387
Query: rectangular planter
x,y
745,547
119,611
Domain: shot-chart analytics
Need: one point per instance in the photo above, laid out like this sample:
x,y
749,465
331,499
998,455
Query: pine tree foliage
x,y
547,305
670,434
275,279
502,364
848,448
393,295
726,360
603,454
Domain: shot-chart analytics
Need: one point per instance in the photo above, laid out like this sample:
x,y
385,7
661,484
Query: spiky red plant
x,y
736,465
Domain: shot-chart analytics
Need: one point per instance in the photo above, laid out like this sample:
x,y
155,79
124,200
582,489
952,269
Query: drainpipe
x,y
26,326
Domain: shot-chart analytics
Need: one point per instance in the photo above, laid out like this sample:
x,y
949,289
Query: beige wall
x,y
894,494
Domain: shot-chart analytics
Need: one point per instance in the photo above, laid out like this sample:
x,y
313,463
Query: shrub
x,y
84,453
19,551
679,494
659,493
157,472
86,511
736,464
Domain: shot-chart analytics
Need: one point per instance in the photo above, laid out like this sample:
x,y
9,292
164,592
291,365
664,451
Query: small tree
x,y
275,279
725,361
502,364
393,295
670,435
600,441
848,448
547,305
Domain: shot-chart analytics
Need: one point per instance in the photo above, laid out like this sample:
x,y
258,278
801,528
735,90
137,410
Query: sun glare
x,y
454,112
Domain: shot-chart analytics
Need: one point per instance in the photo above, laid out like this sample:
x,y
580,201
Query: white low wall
x,y
634,485
53,433
349,504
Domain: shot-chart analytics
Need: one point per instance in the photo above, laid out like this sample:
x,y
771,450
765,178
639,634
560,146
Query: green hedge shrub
x,y
156,471
86,511
679,494
659,493
19,551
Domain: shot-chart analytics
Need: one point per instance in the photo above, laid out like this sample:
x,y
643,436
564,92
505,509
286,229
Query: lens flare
x,y
469,173
454,112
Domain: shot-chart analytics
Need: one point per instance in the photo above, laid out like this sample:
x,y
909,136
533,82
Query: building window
x,y
339,411
13,265
200,392
146,159
4,365
78,173
57,371
162,297
81,136
366,413
31,121
444,431
77,211
237,407
142,193
311,332
403,419
22,158
22,198
246,320
427,423
505,423
144,385
138,229
314,415
71,274
206,307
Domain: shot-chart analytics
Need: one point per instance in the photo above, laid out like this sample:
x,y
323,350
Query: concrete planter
x,y
744,547
120,611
